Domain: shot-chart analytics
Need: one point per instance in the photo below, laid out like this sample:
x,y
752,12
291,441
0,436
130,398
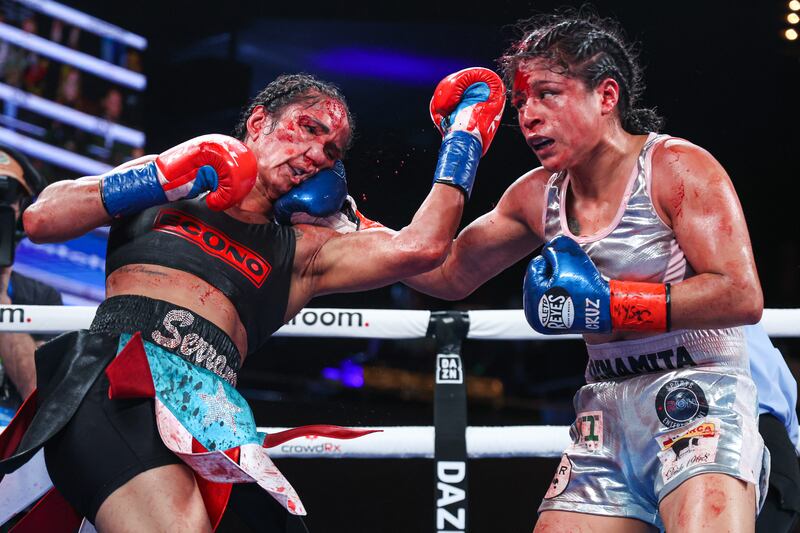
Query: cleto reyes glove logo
x,y
213,242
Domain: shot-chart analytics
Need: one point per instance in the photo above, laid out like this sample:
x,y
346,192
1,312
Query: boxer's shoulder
x,y
309,239
676,156
526,196
683,172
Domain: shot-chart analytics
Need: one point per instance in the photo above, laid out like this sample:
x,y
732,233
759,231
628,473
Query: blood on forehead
x,y
336,112
537,71
521,80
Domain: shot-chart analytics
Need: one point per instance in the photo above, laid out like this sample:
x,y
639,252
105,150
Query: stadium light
x,y
793,18
790,34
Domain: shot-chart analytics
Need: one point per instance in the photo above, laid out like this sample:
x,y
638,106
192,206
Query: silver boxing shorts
x,y
637,438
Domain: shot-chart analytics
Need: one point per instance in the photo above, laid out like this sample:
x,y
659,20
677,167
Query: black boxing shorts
x,y
108,442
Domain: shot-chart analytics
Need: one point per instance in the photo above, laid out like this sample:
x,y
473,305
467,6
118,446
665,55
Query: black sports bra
x,y
250,263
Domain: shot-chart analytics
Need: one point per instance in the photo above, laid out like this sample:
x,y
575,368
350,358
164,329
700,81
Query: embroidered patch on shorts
x,y
561,479
587,432
679,402
689,446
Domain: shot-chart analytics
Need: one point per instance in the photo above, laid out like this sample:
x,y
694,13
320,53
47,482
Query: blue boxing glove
x,y
321,195
564,292
466,108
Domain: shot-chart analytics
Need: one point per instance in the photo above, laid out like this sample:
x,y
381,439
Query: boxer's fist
x,y
469,100
322,200
346,220
232,173
215,163
564,292
319,196
466,108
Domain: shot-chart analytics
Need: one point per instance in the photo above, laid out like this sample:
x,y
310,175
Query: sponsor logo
x,y
215,243
679,402
631,365
311,317
679,444
556,310
587,432
312,449
451,510
688,447
448,369
561,479
12,315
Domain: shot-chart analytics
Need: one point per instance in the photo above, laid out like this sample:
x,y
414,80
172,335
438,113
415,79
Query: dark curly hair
x,y
288,89
580,44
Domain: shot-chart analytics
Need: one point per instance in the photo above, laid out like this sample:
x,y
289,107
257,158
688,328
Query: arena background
x,y
722,74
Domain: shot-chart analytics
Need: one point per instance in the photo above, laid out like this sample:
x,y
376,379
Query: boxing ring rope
x,y
449,442
397,442
504,324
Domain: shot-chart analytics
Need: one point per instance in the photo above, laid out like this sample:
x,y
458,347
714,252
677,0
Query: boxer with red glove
x,y
564,292
466,108
216,163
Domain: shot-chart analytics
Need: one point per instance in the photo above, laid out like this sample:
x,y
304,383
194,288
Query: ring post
x,y
450,328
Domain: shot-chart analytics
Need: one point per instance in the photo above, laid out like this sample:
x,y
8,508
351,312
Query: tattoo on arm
x,y
573,225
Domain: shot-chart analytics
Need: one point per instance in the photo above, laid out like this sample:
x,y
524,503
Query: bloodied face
x,y
303,139
561,118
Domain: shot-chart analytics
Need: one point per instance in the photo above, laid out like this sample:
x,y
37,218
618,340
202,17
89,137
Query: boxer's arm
x,y
65,210
491,243
216,163
369,259
69,208
696,197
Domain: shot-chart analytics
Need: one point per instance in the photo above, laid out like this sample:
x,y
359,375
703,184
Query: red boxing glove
x,y
233,162
470,100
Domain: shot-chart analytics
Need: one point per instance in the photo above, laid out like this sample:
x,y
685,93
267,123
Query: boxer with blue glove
x,y
210,287
563,292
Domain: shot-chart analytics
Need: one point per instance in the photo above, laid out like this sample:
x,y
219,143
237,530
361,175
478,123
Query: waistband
x,y
666,352
174,328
